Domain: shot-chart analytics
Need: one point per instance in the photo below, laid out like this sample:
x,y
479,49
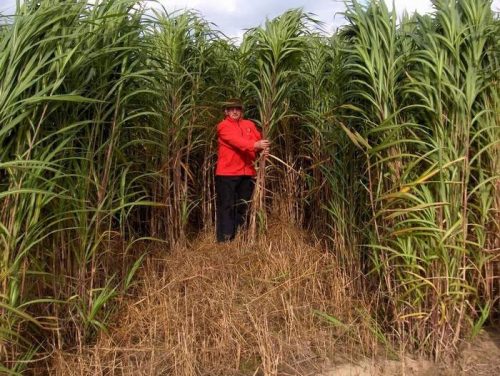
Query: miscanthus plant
x,y
71,84
103,131
426,102
385,146
184,55
276,51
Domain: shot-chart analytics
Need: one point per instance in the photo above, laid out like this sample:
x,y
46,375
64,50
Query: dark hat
x,y
233,103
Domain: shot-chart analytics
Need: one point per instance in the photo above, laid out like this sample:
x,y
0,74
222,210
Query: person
x,y
239,142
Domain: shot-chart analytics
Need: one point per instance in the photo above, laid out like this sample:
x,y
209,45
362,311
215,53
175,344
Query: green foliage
x,y
427,114
71,89
385,143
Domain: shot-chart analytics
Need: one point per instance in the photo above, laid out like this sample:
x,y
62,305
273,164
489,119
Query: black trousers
x,y
233,196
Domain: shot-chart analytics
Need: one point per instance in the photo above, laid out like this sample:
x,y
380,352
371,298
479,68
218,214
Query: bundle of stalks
x,y
232,309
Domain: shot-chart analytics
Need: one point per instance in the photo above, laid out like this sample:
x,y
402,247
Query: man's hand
x,y
262,145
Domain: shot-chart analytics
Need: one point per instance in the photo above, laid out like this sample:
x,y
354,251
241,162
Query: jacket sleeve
x,y
232,136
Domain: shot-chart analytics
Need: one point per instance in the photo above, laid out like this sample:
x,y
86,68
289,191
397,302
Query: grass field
x,y
383,175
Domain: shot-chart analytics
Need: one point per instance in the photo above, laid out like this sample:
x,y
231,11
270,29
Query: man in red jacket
x,y
239,141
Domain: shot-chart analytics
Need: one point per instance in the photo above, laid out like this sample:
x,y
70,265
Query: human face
x,y
234,113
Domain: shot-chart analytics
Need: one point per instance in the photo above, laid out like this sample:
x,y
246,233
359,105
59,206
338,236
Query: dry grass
x,y
232,309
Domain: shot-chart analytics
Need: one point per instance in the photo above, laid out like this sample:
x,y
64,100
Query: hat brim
x,y
233,103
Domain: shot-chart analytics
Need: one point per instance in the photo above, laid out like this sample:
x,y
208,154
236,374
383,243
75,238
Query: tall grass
x,y
431,142
276,48
183,58
71,81
385,146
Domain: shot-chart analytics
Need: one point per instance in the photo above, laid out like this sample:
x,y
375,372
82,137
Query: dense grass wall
x,y
385,144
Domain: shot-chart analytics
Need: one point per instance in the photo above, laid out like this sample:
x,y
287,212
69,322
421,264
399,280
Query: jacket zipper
x,y
243,136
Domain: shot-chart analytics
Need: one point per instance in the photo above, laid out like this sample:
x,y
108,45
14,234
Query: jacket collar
x,y
228,118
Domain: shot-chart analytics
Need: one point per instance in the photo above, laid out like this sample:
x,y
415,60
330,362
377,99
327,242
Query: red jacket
x,y
236,153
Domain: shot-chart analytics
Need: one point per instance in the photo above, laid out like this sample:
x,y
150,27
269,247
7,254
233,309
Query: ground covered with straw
x,y
232,309
279,307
